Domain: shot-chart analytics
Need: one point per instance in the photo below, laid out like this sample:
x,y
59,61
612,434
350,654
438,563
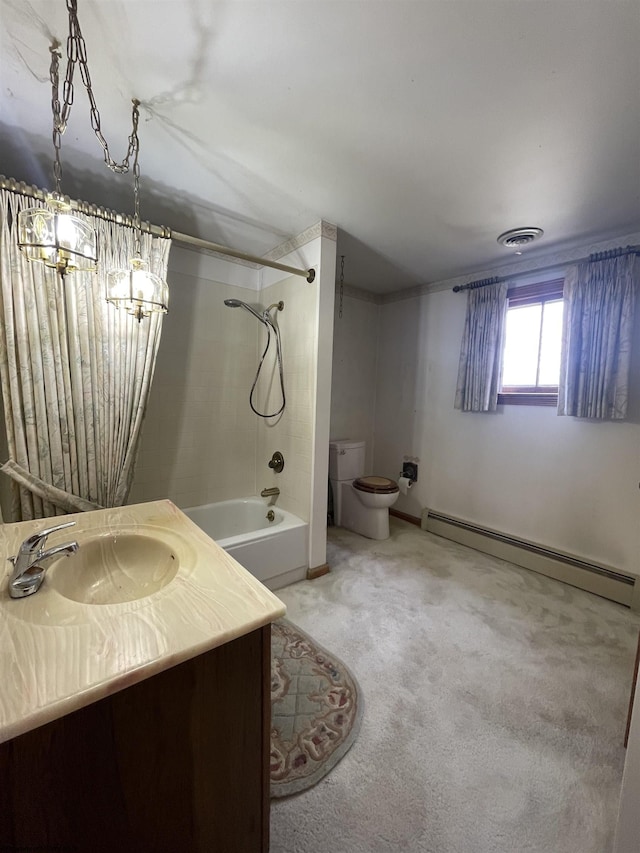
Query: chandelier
x,y
136,289
52,235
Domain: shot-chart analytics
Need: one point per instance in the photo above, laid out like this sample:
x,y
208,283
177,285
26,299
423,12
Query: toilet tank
x,y
346,459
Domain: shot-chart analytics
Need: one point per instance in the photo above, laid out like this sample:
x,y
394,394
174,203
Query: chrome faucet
x,y
269,493
28,573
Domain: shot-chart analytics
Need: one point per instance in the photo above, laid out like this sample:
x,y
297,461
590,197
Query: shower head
x,y
237,303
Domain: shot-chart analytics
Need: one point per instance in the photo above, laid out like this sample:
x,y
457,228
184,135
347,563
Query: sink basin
x,y
114,568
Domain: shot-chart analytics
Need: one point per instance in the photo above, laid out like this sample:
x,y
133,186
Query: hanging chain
x,y
58,128
341,285
77,54
136,177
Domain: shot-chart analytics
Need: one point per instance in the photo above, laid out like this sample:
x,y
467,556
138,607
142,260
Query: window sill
x,y
514,399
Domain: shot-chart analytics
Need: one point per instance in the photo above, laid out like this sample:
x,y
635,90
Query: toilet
x,y
360,503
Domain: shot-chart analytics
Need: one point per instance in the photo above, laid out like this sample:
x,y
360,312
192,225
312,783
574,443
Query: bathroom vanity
x,y
135,692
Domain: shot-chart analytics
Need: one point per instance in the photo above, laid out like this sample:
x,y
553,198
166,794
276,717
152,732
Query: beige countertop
x,y
58,655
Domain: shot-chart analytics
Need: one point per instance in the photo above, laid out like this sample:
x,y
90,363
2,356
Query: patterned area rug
x,y
316,710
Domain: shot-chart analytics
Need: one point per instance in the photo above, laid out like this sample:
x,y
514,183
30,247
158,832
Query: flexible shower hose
x,y
270,326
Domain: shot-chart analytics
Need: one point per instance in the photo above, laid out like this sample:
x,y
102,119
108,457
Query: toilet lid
x,y
376,485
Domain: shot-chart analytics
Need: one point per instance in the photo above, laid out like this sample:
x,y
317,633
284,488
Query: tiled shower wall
x,y
199,436
292,433
201,442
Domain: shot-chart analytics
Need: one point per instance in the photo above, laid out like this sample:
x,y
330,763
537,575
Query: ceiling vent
x,y
518,237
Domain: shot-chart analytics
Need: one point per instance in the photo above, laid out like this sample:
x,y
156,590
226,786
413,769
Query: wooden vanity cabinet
x,y
177,763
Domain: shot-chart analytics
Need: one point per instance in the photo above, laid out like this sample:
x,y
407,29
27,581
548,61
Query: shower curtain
x,y
75,372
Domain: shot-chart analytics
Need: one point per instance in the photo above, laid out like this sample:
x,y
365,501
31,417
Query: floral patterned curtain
x,y
600,298
481,350
75,371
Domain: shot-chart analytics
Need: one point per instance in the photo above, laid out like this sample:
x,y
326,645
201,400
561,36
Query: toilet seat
x,y
376,485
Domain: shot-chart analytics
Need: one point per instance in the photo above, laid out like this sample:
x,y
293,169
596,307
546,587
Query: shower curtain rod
x,y
14,186
594,256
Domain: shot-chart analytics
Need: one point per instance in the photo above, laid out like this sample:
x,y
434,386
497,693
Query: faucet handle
x,y
277,462
38,539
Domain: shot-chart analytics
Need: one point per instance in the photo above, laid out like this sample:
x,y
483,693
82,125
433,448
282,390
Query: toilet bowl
x,y
361,503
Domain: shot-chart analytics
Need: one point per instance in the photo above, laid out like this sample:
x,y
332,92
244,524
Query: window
x,y
533,337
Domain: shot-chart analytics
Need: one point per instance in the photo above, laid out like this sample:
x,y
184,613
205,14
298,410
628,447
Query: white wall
x,y
355,357
563,482
559,481
322,399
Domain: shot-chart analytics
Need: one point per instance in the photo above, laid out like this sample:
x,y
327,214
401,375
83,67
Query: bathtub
x,y
275,551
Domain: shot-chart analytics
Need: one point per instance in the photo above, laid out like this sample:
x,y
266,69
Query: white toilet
x,y
360,503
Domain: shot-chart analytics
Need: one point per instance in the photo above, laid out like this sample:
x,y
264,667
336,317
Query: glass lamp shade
x,y
57,238
137,290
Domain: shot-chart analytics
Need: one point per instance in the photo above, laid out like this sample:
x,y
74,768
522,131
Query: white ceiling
x,y
422,129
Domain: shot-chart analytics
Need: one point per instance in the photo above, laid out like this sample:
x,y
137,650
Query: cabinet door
x,y
179,761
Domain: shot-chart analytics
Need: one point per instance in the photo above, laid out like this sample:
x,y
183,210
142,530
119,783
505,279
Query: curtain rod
x,y
594,256
14,186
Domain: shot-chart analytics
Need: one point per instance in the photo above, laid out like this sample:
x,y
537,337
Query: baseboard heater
x,y
593,577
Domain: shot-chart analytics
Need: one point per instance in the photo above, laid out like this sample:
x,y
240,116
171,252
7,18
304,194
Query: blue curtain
x,y
481,350
600,300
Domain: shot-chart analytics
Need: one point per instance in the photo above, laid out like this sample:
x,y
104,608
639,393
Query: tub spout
x,y
270,493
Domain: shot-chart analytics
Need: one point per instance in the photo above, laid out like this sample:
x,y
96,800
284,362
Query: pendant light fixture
x,y
53,235
137,290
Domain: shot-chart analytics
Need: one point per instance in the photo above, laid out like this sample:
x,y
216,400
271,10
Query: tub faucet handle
x,y
277,462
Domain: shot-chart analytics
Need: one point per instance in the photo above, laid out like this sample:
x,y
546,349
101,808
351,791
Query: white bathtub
x,y
273,551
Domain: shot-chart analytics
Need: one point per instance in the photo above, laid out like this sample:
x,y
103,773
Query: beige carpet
x,y
496,704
